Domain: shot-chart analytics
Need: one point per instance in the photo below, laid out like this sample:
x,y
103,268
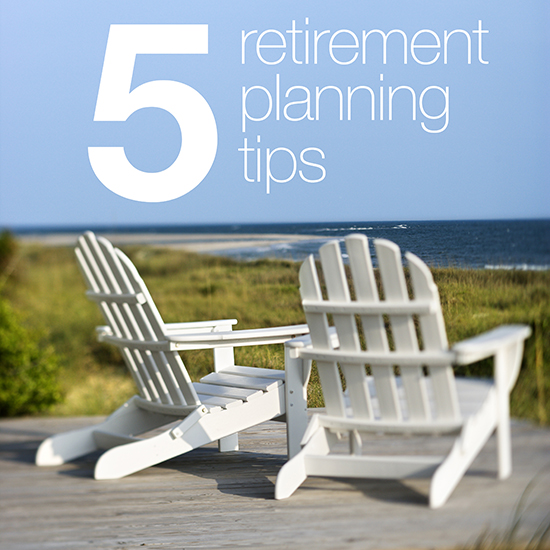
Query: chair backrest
x,y
134,321
401,340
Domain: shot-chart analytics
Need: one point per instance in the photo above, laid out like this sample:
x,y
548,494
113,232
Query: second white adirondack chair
x,y
222,404
419,397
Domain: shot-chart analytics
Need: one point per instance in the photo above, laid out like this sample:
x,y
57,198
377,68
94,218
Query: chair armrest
x,y
235,338
299,342
489,343
198,325
178,328
303,342
103,330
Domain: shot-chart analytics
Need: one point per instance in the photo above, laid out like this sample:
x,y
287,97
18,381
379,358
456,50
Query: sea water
x,y
488,244
476,244
503,244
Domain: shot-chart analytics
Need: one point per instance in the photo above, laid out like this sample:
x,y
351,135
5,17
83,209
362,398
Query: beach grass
x,y
46,287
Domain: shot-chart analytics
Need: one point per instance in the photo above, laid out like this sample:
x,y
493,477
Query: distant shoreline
x,y
192,242
511,244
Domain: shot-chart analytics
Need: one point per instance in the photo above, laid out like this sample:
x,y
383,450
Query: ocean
x,y
503,244
485,244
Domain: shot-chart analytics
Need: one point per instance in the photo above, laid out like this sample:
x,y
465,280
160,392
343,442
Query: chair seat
x,y
244,382
472,394
236,384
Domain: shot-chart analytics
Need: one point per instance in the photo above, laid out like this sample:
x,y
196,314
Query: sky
x,y
256,111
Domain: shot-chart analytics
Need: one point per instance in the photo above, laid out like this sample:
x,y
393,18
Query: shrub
x,y
8,248
28,371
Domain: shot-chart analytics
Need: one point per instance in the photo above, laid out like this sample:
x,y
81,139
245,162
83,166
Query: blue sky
x,y
486,156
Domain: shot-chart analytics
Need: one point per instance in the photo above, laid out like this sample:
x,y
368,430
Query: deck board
x,y
206,499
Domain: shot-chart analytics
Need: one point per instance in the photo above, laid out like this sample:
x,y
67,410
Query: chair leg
x,y
504,445
294,472
199,428
297,372
61,448
130,458
475,434
127,459
229,443
290,476
503,365
127,419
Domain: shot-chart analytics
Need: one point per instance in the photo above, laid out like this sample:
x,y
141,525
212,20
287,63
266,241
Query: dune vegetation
x,y
43,285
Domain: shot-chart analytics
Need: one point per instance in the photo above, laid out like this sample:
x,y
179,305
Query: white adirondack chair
x,y
223,403
423,398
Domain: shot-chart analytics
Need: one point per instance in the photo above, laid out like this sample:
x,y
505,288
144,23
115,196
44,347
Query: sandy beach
x,y
193,242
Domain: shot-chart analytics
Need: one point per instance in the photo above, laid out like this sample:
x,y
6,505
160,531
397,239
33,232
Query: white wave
x,y
336,229
519,267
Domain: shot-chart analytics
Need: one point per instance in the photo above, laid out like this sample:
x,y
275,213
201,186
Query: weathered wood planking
x,y
210,500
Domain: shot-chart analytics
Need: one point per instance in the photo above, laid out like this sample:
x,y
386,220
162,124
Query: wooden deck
x,y
210,500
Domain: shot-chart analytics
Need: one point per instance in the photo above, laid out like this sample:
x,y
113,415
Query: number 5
x,y
115,102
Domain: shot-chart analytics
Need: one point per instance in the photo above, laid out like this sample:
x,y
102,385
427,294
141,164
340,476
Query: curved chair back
x,y
399,340
134,323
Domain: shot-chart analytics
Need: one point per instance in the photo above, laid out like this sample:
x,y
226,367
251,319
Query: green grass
x,y
477,300
516,536
48,289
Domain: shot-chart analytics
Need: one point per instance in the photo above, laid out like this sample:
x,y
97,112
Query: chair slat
x,y
144,363
138,324
183,379
100,285
107,284
366,308
407,360
168,363
373,326
321,339
164,362
346,327
434,337
114,316
159,374
223,402
221,379
116,298
108,315
402,326
100,251
255,372
227,391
